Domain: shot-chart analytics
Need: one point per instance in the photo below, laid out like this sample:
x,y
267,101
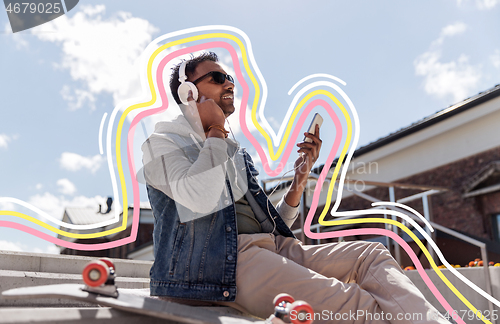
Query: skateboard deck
x,y
130,302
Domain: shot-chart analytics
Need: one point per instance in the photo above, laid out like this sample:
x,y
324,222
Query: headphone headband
x,y
185,86
182,72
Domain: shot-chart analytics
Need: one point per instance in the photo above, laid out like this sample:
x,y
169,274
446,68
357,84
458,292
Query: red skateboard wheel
x,y
95,273
283,298
108,262
301,313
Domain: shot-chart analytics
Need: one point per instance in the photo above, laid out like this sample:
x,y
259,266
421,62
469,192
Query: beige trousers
x,y
350,282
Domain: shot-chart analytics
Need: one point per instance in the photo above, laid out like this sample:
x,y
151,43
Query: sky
x,y
401,62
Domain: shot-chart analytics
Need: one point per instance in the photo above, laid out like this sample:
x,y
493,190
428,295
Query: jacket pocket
x,y
179,238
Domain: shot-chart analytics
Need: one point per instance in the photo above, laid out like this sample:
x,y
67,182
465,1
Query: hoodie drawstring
x,y
195,141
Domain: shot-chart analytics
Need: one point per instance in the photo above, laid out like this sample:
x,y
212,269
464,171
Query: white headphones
x,y
184,87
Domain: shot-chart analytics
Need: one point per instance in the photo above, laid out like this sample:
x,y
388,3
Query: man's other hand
x,y
308,152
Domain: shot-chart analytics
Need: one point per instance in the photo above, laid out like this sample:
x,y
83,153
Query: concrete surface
x,y
69,264
89,315
476,276
19,269
30,269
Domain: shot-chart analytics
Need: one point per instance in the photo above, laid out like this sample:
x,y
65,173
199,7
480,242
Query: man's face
x,y
222,94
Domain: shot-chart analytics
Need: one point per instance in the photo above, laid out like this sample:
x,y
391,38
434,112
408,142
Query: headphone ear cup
x,y
183,92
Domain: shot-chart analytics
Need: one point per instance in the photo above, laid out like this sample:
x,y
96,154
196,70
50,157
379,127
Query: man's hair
x,y
191,65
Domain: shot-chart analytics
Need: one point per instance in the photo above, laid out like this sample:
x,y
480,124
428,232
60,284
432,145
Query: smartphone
x,y
317,120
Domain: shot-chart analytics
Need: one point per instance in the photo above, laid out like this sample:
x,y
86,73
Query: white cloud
x,y
100,52
453,29
482,4
66,187
495,59
75,162
5,140
273,122
54,205
18,38
77,98
50,249
486,4
39,186
455,79
7,206
449,31
48,203
20,247
10,246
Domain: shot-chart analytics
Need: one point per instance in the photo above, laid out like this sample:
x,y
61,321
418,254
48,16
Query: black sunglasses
x,y
217,77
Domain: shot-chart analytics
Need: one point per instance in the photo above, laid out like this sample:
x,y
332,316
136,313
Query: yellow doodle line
x,y
380,220
118,143
254,107
422,247
59,231
246,64
274,156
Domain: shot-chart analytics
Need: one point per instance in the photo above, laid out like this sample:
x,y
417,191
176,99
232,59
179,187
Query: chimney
x,y
109,202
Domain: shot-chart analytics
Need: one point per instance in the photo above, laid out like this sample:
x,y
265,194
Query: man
x,y
218,238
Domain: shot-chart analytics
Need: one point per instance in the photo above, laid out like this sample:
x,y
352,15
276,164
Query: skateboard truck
x,y
298,312
99,277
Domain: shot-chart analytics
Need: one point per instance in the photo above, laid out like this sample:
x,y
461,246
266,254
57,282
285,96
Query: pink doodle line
x,y
249,136
70,245
239,75
244,101
404,245
367,231
135,185
336,145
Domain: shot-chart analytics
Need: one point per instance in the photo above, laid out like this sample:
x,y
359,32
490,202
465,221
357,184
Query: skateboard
x,y
100,288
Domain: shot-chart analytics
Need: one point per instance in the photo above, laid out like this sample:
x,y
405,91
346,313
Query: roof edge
x,y
432,120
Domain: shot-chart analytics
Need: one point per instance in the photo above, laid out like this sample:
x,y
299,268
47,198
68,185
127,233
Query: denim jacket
x,y
196,259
